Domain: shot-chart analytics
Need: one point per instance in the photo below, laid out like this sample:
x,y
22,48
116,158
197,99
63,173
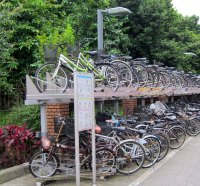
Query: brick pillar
x,y
129,106
52,111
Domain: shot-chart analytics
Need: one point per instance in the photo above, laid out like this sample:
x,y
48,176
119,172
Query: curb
x,y
13,172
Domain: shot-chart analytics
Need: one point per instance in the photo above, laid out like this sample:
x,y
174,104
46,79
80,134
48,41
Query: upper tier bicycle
x,y
58,77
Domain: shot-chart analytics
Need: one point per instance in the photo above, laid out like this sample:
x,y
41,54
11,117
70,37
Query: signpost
x,y
84,116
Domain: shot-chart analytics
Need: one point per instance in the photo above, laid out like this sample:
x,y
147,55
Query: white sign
x,y
84,116
84,99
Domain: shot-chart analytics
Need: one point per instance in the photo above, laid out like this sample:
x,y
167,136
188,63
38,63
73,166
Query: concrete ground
x,y
179,168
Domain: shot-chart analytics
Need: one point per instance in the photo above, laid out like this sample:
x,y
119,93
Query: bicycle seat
x,y
152,65
126,57
121,129
193,110
147,122
139,131
105,56
170,118
160,125
140,59
91,53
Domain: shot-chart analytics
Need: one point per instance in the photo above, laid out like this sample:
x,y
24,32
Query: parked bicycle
x,y
59,77
60,156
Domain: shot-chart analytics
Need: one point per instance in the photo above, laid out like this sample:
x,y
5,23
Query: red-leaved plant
x,y
19,143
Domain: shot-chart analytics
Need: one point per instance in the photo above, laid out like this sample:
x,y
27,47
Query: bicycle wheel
x,y
152,150
43,165
45,81
193,127
153,80
167,77
124,71
177,136
106,77
142,73
161,81
130,157
105,160
164,143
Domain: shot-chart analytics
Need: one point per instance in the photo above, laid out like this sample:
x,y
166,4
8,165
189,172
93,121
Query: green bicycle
x,y
51,77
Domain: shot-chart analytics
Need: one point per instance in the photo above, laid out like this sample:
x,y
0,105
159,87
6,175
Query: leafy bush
x,y
23,114
18,143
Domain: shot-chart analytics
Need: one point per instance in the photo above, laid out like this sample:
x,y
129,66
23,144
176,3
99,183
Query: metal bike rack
x,y
34,97
64,176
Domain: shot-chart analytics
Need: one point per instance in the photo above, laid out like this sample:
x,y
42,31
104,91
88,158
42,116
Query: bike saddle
x,y
139,131
126,57
105,56
160,125
91,53
148,122
121,129
170,118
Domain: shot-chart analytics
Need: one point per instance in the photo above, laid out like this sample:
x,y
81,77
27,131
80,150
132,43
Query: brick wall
x,y
52,111
129,106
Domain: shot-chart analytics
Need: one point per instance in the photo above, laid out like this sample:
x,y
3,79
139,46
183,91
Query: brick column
x,y
129,106
52,111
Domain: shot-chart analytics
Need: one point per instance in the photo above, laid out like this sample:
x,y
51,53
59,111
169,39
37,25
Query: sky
x,y
187,7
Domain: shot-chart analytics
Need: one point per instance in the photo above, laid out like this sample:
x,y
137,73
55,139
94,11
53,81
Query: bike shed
x,y
34,97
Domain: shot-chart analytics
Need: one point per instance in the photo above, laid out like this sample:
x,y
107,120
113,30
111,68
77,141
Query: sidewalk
x,y
182,169
179,168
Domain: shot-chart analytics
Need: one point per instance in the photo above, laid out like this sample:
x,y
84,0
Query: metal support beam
x,y
101,106
143,101
43,119
116,106
172,99
100,31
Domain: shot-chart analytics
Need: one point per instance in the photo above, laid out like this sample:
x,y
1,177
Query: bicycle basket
x,y
69,128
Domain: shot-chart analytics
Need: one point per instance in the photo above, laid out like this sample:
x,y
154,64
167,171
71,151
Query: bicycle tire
x,y
110,79
161,81
164,143
152,150
193,127
142,73
130,157
175,133
39,166
167,78
105,160
44,81
125,72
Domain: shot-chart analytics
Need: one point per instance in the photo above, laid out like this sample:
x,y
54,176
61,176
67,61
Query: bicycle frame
x,y
117,142
58,145
81,65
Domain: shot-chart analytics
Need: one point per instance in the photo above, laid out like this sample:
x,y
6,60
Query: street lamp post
x,y
111,11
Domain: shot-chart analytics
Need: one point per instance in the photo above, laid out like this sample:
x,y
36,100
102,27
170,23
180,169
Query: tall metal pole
x,y
43,119
100,31
76,131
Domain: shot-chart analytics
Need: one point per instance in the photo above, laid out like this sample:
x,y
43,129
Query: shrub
x,y
29,114
18,143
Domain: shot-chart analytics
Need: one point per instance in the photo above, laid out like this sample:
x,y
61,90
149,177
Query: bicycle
x,y
51,159
130,154
59,77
